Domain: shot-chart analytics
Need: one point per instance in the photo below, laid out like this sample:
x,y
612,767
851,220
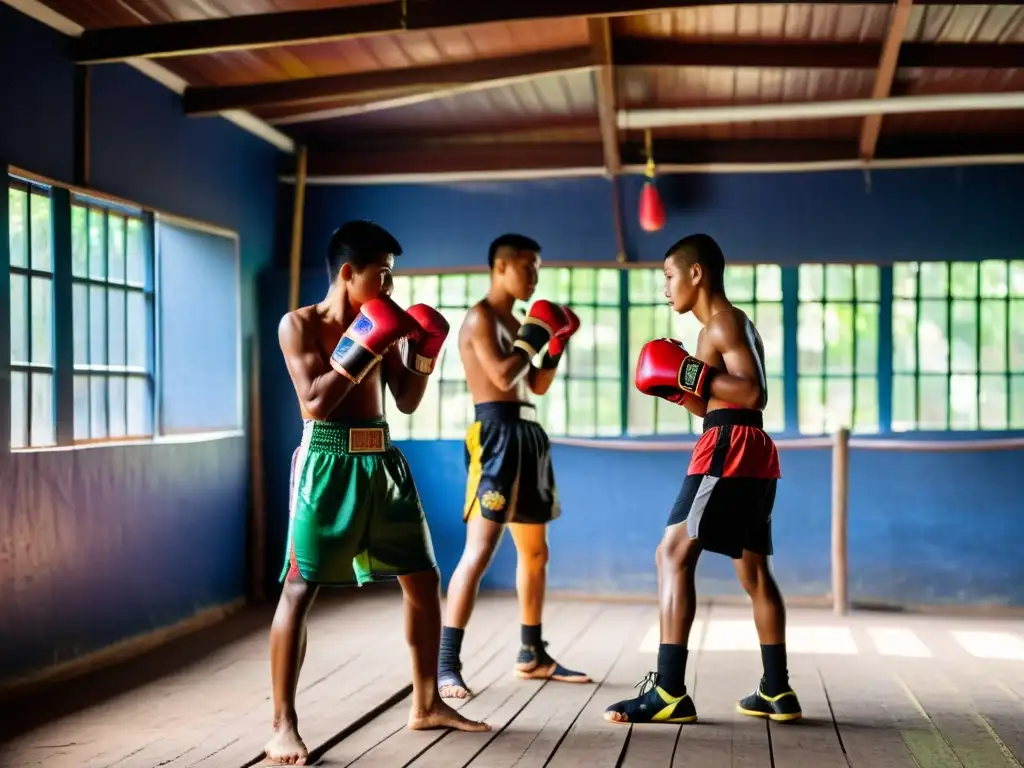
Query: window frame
x,y
854,375
107,372
565,365
978,372
62,198
29,368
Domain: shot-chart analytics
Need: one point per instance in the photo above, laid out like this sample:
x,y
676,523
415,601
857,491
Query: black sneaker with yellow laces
x,y
781,708
653,705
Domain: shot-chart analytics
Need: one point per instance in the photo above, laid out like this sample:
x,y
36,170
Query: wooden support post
x,y
840,499
82,102
871,128
258,529
296,252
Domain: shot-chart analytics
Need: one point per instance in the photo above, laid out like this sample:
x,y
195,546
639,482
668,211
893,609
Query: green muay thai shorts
x,y
355,514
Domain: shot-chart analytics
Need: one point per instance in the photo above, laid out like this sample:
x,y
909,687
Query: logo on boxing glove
x,y
379,324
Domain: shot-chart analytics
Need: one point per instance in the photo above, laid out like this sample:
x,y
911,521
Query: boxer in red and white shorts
x,y
725,504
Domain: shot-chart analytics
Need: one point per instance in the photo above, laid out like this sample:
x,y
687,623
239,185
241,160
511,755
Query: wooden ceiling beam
x,y
438,81
670,52
600,33
871,128
252,31
412,160
388,89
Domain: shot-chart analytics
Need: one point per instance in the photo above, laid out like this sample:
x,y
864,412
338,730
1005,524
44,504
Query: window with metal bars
x,y
113,299
837,345
958,345
755,289
30,220
585,398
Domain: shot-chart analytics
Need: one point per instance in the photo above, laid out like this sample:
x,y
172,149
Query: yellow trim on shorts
x,y
474,471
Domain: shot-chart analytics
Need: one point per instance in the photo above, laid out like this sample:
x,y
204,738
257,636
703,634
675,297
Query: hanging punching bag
x,y
652,212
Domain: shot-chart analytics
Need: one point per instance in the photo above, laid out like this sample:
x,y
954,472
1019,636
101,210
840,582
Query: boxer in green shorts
x,y
355,515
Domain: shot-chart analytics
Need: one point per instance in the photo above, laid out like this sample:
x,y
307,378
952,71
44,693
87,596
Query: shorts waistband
x,y
507,412
736,417
346,438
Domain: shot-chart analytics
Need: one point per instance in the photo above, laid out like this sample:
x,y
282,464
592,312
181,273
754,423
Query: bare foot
x,y
453,691
615,717
286,748
443,716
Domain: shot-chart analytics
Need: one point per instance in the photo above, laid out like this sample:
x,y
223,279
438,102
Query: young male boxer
x,y
725,504
355,512
508,456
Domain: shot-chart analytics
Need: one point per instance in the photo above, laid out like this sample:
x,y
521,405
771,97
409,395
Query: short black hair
x,y
510,240
701,249
359,243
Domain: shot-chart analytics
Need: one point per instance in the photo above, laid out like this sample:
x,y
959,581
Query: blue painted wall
x,y
928,214
924,527
100,544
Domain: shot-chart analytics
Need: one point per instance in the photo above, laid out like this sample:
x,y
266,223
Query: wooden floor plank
x,y
905,691
811,742
331,694
964,729
1000,710
868,733
537,731
487,659
404,746
653,746
593,742
212,701
721,737
340,748
505,697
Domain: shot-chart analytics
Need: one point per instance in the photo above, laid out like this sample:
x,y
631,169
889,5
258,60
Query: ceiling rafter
x,y
388,89
421,159
600,34
382,85
253,31
871,128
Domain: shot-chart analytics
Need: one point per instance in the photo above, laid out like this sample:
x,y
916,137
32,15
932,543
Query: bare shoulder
x,y
478,320
295,326
728,329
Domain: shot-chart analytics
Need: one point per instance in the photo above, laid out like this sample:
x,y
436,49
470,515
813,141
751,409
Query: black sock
x,y
451,647
776,677
672,669
530,634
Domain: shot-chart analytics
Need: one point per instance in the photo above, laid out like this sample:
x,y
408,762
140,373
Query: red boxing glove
x,y
665,369
379,324
560,339
543,321
424,344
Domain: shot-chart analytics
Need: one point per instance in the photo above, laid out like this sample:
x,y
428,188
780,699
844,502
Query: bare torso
x,y
481,388
752,351
366,401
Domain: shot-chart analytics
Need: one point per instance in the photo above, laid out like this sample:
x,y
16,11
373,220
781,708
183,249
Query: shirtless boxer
x,y
508,456
725,504
355,515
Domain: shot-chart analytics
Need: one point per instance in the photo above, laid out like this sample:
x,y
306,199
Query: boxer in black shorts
x,y
508,464
510,481
725,504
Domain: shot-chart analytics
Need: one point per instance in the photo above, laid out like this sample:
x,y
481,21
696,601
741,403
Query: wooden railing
x,y
840,444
